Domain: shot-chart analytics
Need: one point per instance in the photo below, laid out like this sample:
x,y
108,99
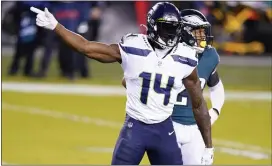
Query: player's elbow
x,y
197,105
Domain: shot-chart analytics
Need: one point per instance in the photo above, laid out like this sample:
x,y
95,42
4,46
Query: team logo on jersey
x,y
130,124
184,60
169,17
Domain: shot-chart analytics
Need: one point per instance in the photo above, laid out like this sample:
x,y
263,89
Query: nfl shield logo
x,y
130,124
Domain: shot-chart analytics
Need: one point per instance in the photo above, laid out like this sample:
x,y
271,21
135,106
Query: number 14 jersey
x,y
152,81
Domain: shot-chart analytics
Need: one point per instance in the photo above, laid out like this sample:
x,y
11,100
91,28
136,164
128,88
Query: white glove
x,y
213,115
44,18
207,157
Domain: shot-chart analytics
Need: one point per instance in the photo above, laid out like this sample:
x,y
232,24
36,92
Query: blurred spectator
x,y
80,17
49,43
68,14
88,27
239,27
28,35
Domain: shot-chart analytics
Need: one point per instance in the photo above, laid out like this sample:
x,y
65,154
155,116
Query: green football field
x,y
42,128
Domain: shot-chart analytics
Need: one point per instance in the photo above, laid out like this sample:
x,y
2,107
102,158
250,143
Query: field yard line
x,y
229,147
238,145
5,163
98,90
232,151
61,115
245,153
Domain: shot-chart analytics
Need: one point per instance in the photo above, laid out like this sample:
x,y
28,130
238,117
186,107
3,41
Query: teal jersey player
x,y
208,61
188,135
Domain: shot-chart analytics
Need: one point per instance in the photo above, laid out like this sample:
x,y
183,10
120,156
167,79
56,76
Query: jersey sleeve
x,y
126,41
123,56
215,60
213,79
216,57
191,56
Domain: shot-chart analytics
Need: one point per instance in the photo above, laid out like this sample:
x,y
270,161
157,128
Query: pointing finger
x,y
36,10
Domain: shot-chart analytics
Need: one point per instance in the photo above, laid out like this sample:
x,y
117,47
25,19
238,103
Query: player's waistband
x,y
129,118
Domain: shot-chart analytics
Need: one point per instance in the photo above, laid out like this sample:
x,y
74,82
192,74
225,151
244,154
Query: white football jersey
x,y
152,81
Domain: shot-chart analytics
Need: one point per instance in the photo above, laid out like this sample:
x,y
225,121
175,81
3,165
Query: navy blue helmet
x,y
164,24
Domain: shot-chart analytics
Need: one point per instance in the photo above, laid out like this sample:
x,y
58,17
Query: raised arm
x,y
201,114
95,50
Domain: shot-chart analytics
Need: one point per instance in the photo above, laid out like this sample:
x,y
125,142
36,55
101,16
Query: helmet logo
x,y
169,17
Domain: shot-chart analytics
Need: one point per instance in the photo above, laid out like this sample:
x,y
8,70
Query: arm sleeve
x,y
217,96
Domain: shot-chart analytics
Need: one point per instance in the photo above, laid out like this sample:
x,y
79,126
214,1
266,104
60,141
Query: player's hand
x,y
214,116
207,157
44,18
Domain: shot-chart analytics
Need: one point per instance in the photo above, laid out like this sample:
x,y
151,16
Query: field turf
x,y
40,128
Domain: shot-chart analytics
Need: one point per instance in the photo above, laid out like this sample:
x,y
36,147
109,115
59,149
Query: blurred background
x,y
62,108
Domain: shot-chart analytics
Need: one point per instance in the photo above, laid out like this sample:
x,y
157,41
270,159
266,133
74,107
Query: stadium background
x,y
49,119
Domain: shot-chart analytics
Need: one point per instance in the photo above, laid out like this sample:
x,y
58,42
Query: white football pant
x,y
190,142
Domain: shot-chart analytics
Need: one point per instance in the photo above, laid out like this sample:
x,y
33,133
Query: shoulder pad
x,y
127,36
186,51
211,50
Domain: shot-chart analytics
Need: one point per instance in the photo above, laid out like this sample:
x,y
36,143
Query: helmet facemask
x,y
200,37
200,30
168,33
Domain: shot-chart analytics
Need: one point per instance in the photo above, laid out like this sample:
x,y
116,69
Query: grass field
x,y
40,128
234,77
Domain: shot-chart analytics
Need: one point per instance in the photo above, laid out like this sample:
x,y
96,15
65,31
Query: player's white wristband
x,y
213,115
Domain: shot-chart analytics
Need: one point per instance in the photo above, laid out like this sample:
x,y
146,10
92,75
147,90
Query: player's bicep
x,y
104,58
193,86
102,52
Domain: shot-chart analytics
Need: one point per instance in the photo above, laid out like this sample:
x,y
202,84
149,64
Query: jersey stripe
x,y
184,60
135,51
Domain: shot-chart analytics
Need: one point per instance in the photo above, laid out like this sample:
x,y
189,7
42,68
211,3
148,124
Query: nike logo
x,y
171,133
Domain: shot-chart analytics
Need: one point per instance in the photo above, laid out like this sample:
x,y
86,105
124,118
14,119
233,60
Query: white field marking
x,y
89,90
60,115
97,90
232,151
245,153
5,163
225,146
232,144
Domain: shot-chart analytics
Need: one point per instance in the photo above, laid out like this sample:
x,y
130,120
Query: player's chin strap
x,y
217,96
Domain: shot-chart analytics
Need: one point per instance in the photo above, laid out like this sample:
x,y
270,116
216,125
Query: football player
x,y
156,66
188,134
